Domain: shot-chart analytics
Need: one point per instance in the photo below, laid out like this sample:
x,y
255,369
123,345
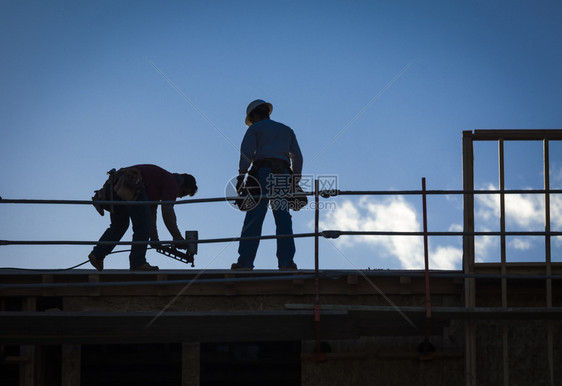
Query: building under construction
x,y
487,323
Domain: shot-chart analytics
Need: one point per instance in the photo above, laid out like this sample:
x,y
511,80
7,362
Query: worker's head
x,y
258,110
188,186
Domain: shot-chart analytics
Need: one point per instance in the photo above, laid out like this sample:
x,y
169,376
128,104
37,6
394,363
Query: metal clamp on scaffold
x,y
187,257
330,234
329,193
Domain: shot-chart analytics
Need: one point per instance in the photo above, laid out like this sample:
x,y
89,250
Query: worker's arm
x,y
169,217
153,229
247,150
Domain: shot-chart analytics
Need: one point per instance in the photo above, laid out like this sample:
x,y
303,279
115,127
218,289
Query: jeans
x,y
142,222
254,220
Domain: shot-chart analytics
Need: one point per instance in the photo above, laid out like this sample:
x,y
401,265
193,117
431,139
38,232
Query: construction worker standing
x,y
140,183
271,148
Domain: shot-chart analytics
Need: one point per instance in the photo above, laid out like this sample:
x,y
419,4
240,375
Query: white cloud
x,y
445,258
483,245
523,210
520,244
455,228
391,214
488,205
555,174
556,211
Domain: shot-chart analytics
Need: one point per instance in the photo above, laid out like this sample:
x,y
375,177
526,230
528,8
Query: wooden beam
x,y
468,254
190,374
71,362
338,322
27,368
147,327
118,284
516,135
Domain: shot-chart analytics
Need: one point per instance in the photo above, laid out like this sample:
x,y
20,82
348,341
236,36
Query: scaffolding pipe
x,y
548,257
329,234
323,193
122,202
318,355
445,192
426,344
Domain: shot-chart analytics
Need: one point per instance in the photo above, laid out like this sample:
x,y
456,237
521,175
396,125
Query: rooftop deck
x,y
86,306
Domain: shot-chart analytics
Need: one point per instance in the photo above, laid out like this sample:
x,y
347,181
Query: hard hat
x,y
253,105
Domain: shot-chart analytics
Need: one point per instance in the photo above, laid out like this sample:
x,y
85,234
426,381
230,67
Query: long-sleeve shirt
x,y
270,139
161,185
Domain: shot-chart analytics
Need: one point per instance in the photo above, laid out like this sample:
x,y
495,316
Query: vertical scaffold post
x,y
318,355
548,257
503,263
427,347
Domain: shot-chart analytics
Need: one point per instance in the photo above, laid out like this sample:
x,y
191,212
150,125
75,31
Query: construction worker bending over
x,y
140,183
270,147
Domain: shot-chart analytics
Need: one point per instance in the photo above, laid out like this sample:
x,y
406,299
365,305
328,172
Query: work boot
x,y
96,261
236,267
145,267
291,267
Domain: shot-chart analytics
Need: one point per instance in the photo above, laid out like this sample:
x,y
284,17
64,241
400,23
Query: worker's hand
x,y
239,183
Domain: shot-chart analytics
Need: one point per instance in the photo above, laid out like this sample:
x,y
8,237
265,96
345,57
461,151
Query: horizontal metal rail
x,y
122,202
323,193
445,192
328,234
205,241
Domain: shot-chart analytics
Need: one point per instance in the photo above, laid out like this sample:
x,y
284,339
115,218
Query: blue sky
x,y
378,94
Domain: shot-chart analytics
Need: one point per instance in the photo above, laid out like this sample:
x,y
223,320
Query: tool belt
x,y
278,166
126,183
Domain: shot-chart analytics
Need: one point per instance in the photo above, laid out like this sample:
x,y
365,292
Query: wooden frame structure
x,y
470,266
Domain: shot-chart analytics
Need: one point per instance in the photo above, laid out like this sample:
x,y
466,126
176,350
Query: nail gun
x,y
185,257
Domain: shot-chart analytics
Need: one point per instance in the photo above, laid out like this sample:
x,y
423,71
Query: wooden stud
x,y
190,364
27,367
468,255
71,362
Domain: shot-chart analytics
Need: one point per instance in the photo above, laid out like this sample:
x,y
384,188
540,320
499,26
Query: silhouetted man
x,y
141,183
270,147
